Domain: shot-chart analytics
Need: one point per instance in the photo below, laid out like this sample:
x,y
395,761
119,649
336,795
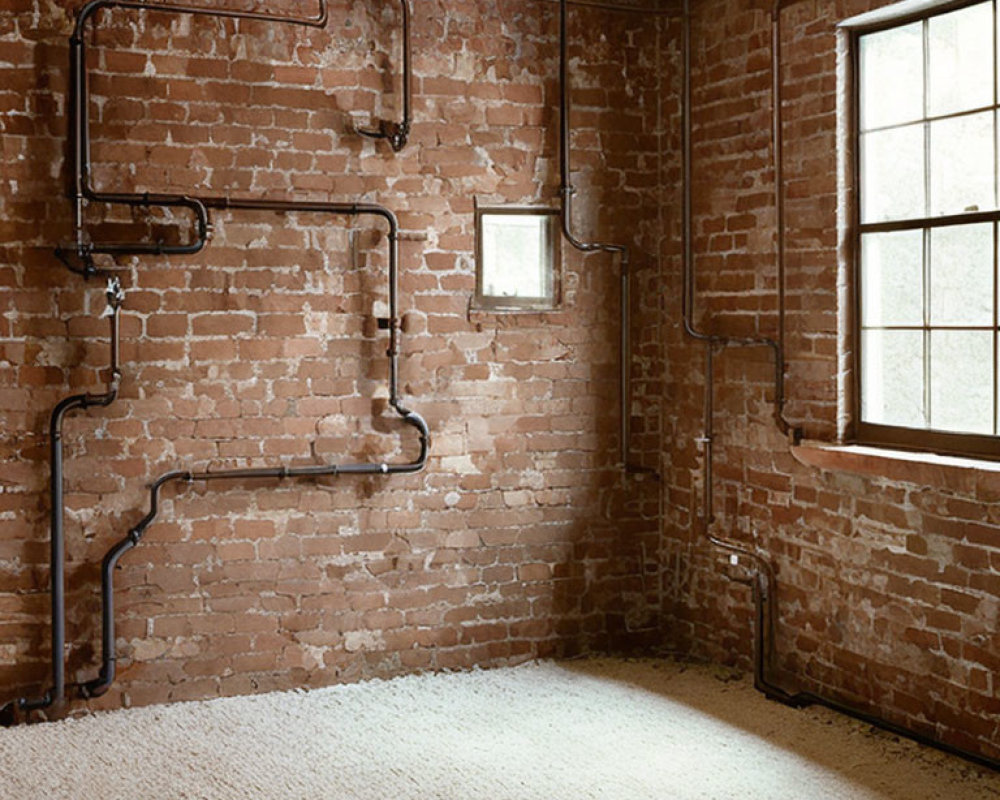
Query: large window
x,y
927,133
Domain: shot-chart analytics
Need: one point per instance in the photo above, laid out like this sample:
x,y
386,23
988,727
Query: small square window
x,y
517,253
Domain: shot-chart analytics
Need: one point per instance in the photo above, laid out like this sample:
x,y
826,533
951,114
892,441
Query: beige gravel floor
x,y
581,730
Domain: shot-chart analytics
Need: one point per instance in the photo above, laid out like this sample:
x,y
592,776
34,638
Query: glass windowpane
x,y
517,256
892,378
962,381
892,170
926,149
892,291
961,275
960,56
892,76
962,164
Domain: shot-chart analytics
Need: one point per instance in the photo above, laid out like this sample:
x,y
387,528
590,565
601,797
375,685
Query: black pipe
x,y
55,695
688,291
106,676
199,205
566,191
396,133
79,104
764,581
87,11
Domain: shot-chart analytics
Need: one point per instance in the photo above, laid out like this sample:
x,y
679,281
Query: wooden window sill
x,y
926,469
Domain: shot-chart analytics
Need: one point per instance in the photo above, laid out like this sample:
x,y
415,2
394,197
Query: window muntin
x,y
517,258
927,128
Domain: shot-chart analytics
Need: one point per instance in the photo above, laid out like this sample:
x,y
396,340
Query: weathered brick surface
x,y
521,538
517,541
889,589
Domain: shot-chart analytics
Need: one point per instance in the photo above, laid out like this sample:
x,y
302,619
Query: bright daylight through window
x,y
927,279
516,258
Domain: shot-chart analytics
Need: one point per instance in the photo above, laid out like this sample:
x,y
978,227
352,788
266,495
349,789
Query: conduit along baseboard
x,y
79,258
758,572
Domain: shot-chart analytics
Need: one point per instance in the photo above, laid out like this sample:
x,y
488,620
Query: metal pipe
x,y
688,290
708,437
566,191
56,694
605,6
763,591
106,676
764,581
777,155
396,133
83,191
87,11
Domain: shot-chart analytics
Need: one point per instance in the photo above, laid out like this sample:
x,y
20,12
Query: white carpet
x,y
608,729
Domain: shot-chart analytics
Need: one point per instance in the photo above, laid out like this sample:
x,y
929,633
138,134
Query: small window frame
x,y
512,304
977,445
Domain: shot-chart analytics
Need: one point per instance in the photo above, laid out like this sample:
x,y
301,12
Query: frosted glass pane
x,y
960,58
892,76
892,170
962,164
892,378
962,381
961,284
517,260
892,290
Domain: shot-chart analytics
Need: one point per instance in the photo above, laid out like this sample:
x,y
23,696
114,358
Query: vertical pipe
x,y
78,128
625,360
407,77
56,694
687,291
566,191
709,434
393,351
777,139
57,553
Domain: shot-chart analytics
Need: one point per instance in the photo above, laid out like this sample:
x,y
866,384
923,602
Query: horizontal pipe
x,y
91,8
83,191
106,676
606,6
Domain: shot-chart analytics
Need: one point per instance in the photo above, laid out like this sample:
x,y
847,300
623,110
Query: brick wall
x,y
522,538
889,592
517,541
